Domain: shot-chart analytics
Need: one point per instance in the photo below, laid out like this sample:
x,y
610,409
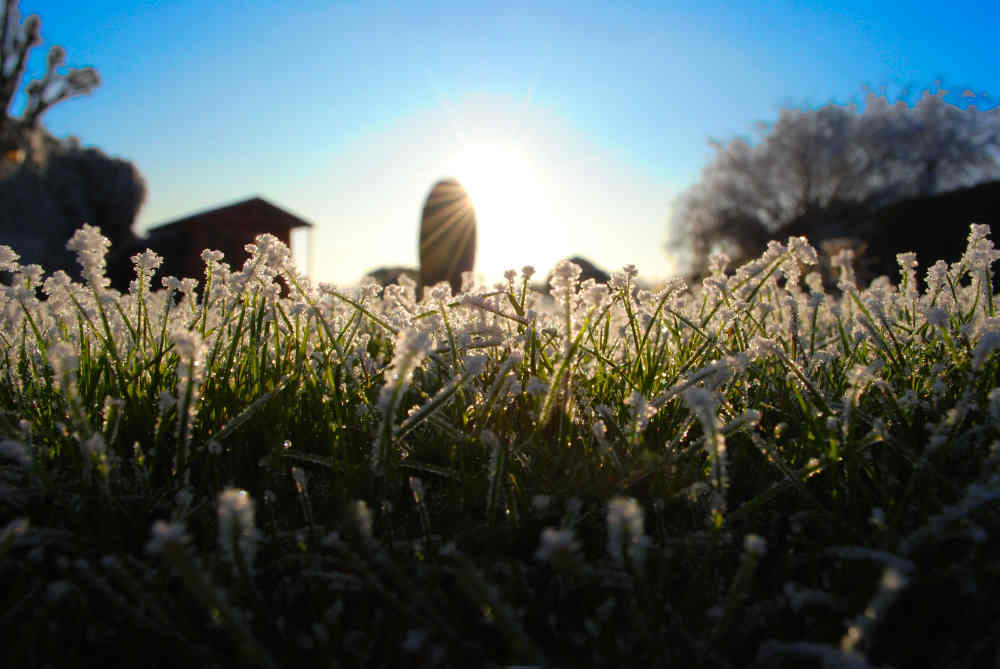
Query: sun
x,y
513,195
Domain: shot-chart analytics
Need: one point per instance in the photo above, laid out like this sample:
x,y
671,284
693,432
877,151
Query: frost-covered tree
x,y
16,41
833,162
49,186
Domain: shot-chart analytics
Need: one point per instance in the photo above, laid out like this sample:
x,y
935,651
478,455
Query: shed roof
x,y
253,209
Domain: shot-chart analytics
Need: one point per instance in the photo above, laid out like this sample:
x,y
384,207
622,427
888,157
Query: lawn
x,y
247,469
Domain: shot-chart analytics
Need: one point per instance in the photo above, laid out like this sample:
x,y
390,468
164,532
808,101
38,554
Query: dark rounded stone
x,y
447,235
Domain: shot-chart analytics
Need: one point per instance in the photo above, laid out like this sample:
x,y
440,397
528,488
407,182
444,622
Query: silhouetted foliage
x,y
42,204
934,227
49,187
830,163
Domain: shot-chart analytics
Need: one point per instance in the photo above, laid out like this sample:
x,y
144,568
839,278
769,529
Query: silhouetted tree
x,y
830,163
49,187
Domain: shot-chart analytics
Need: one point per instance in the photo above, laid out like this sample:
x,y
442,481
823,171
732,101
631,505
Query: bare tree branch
x,y
16,40
54,87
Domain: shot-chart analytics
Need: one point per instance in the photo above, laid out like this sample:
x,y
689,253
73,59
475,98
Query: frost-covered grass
x,y
753,471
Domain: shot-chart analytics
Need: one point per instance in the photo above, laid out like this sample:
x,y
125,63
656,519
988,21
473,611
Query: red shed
x,y
225,229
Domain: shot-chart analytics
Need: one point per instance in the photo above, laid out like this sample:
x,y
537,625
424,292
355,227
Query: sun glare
x,y
513,198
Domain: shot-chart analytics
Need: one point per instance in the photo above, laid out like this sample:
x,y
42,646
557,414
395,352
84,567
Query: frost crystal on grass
x,y
411,346
557,545
8,259
989,342
980,253
802,251
702,404
564,279
147,261
165,533
626,531
91,247
594,294
64,360
362,518
937,316
700,401
190,348
440,292
762,347
641,412
235,510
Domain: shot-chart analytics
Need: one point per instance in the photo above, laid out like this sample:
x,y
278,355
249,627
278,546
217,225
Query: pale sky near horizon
x,y
574,125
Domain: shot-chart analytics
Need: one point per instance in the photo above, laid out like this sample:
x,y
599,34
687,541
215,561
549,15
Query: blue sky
x,y
578,122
